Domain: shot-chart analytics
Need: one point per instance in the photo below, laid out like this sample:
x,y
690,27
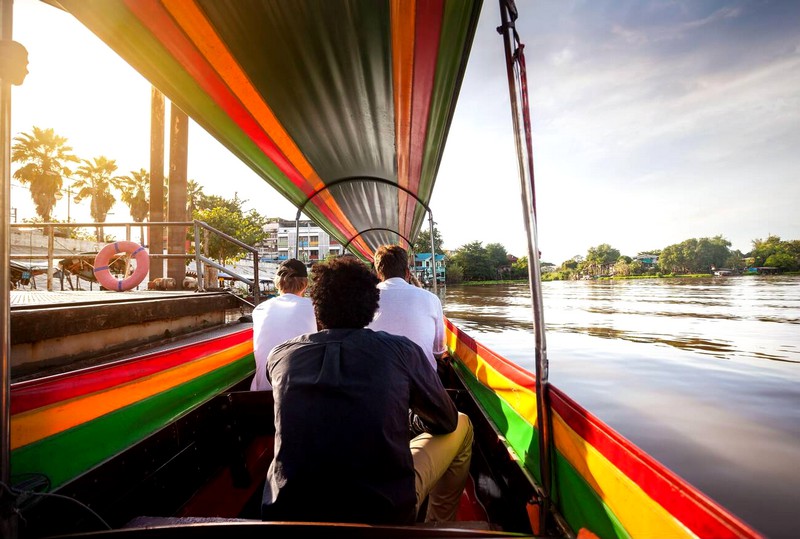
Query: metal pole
x,y
296,236
534,275
8,518
50,248
433,255
197,265
256,281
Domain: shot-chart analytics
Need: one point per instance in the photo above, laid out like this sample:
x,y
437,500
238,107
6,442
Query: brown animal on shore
x,y
162,283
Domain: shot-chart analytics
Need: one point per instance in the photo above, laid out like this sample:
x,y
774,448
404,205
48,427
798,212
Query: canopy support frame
x,y
375,179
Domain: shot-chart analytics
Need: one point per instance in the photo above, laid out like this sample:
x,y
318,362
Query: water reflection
x,y
731,318
704,375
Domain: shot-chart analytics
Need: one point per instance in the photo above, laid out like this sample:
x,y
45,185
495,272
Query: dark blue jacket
x,y
342,401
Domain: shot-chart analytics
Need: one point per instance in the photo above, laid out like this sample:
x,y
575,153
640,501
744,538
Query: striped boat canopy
x,y
343,106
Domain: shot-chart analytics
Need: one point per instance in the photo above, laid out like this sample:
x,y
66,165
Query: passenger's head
x,y
344,293
391,261
292,277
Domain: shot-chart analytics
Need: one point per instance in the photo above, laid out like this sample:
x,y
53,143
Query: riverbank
x,y
546,278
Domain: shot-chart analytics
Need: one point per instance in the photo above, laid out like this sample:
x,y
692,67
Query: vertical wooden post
x,y
178,165
156,233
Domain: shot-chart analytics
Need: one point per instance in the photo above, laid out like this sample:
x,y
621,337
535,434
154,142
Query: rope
x,y
20,496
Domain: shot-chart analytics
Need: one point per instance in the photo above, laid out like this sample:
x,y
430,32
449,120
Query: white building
x,y
315,244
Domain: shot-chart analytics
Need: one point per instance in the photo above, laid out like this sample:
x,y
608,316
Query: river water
x,y
702,374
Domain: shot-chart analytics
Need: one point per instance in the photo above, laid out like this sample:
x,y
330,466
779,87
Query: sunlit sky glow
x,y
653,122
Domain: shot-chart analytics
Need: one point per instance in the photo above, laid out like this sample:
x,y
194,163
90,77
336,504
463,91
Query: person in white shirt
x,y
281,318
405,309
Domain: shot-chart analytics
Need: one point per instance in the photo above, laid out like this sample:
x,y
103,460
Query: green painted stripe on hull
x,y
580,505
575,498
520,434
66,455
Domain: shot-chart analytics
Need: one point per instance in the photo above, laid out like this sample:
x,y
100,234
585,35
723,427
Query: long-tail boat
x,y
343,107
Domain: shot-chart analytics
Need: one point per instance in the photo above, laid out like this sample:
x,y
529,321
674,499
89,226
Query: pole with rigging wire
x,y
514,56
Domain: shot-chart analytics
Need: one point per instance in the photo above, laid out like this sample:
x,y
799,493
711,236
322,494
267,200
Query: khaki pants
x,y
441,463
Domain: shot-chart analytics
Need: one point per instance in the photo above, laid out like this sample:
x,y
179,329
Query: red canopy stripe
x,y
197,28
403,35
429,17
154,17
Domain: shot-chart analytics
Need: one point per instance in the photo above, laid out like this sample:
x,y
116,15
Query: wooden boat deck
x,y
39,298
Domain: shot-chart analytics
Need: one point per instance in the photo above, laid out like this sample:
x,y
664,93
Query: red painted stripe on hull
x,y
36,393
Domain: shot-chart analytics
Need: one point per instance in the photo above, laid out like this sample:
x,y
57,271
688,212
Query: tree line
x,y
475,262
691,256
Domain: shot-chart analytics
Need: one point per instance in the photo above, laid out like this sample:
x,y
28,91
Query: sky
x,y
652,122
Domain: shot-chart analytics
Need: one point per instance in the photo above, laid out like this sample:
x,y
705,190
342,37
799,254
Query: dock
x,y
53,331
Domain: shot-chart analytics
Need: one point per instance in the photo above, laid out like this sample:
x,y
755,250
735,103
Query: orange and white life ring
x,y
103,259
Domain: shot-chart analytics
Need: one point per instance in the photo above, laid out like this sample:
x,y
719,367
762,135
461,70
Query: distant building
x,y
648,260
281,243
423,268
547,267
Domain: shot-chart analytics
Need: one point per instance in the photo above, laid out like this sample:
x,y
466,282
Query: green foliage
x,y
247,228
474,262
776,253
195,199
781,260
423,242
215,201
519,269
497,255
455,272
95,180
135,193
600,259
695,256
44,157
570,265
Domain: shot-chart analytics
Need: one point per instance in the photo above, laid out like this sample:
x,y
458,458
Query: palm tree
x,y
194,197
135,194
95,182
166,198
44,157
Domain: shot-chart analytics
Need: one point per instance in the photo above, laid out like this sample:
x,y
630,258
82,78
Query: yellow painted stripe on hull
x,y
639,514
522,399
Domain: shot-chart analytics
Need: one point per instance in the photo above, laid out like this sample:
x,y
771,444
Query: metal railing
x,y
199,244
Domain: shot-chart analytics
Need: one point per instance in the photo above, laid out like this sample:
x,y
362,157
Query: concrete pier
x,y
56,331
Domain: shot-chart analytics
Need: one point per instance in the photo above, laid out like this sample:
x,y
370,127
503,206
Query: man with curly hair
x,y
342,400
